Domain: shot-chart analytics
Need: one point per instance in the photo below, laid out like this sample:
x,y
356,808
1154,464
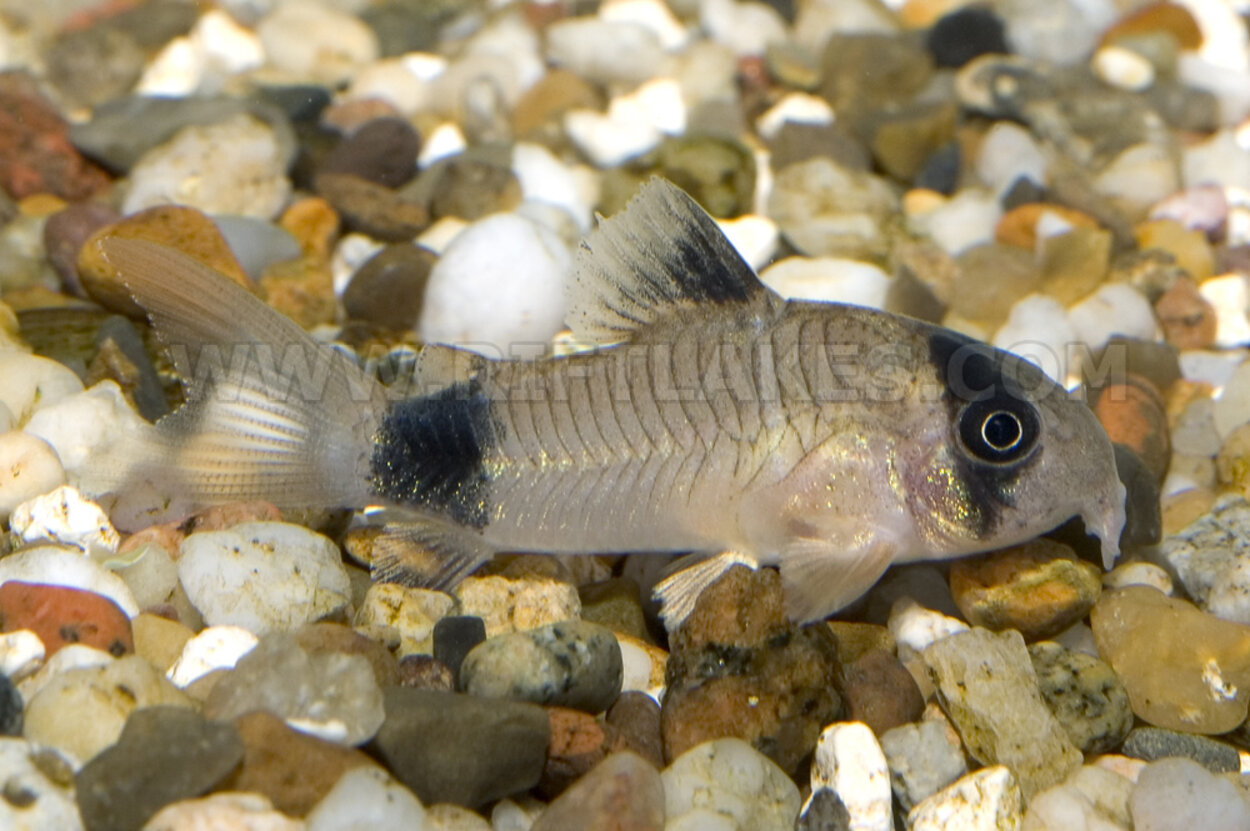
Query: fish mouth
x,y
1105,520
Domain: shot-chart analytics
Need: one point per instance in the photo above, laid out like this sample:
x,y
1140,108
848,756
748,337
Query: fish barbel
x,y
710,416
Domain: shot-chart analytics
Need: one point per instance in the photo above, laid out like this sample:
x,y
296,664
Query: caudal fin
x,y
270,414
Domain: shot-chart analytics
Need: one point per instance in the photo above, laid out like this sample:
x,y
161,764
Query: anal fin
x,y
429,554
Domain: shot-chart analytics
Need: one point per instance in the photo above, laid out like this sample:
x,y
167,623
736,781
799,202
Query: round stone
x,y
1085,695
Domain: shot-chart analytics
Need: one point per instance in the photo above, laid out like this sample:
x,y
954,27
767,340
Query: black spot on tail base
x,y
430,451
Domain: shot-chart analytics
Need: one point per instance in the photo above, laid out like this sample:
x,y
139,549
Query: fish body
x,y
711,415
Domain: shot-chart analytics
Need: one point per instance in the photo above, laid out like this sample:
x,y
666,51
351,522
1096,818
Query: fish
x,y
705,416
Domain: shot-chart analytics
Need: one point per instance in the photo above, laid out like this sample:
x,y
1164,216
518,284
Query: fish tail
x,y
270,414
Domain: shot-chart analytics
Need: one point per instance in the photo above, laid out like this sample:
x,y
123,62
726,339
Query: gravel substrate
x,y
1069,181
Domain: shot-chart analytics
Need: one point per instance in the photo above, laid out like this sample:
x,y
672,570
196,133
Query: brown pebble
x,y
637,717
424,672
1172,18
313,223
879,691
294,770
36,155
1039,588
1019,225
60,615
1133,414
1187,318
579,741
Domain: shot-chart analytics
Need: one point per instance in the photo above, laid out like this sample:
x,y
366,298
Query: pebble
x,y
331,695
849,762
986,799
579,741
227,811
36,797
21,654
1009,153
233,167
1189,321
425,672
263,576
455,637
69,567
162,755
449,747
500,282
366,797
28,467
1149,640
923,758
211,649
1151,743
82,711
1138,574
160,641
879,691
149,571
315,42
64,516
571,664
1114,309
988,689
64,234
739,668
403,618
60,616
604,51
516,605
636,717
447,817
29,383
964,34
1230,295
623,792
382,151
257,244
1123,68
1037,329
728,780
1084,694
389,289
1093,795
1180,793
1208,558
828,279
914,628
826,210
11,704
1039,588
39,157
961,223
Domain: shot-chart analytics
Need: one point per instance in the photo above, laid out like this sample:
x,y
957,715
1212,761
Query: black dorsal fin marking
x,y
660,253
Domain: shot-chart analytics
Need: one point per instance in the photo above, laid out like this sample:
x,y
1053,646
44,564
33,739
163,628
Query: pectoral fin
x,y
819,576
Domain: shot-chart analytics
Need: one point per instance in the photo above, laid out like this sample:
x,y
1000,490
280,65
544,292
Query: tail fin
x,y
270,414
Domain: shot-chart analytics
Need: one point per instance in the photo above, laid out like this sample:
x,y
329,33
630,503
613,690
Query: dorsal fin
x,y
660,253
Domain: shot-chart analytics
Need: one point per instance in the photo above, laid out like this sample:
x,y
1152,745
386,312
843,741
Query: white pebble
x,y
315,42
753,236
62,566
439,235
794,108
367,797
444,141
1227,85
89,422
177,70
1230,296
1009,153
642,666
509,815
28,467
214,648
1114,309
1220,160
149,570
498,285
543,178
731,778
65,516
987,800
1138,574
605,51
1140,176
224,811
44,802
444,816
1178,793
215,49
21,654
829,279
31,382
402,617
746,28
1210,367
395,81
653,14
610,139
1038,330
1232,405
263,576
961,222
70,656
916,627
1123,68
235,166
1079,638
849,762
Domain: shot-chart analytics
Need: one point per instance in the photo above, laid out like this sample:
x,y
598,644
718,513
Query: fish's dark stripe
x,y
430,453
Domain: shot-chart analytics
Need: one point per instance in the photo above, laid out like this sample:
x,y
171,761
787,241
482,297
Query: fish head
x,y
1011,456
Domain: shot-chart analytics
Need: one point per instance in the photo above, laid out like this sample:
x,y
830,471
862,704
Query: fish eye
x,y
999,430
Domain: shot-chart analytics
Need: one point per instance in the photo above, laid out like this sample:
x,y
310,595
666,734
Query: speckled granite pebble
x,y
1151,743
1085,695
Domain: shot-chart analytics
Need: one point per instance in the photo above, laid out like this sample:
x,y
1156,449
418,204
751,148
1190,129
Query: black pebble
x,y
1023,191
382,151
10,708
941,170
1143,518
966,34
826,812
1151,743
453,638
